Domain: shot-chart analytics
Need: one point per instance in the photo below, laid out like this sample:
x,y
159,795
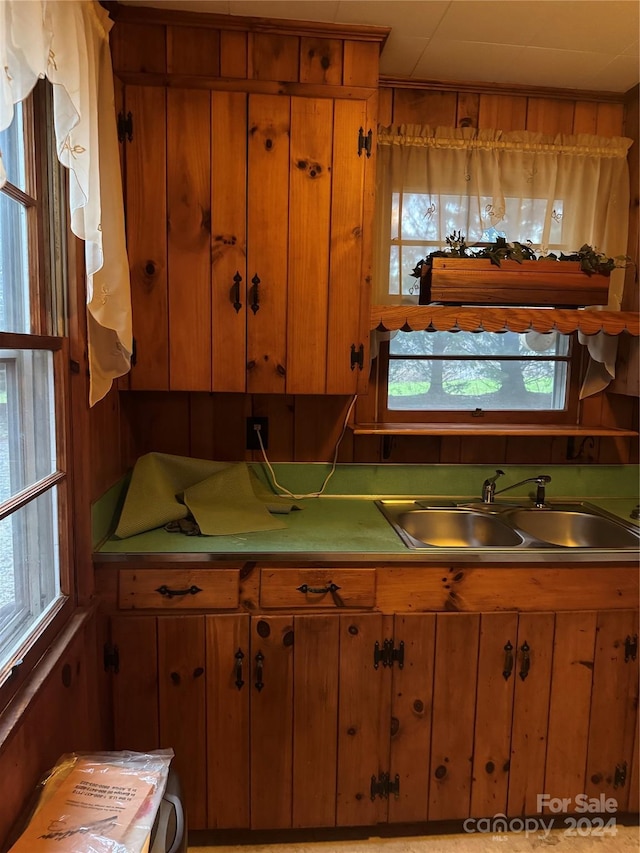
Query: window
x,y
34,583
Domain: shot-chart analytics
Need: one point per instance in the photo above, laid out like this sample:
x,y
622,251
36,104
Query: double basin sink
x,y
422,525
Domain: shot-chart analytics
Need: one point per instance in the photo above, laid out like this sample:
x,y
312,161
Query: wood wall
x,y
305,428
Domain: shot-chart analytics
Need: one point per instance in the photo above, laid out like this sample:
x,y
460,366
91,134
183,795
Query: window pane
x,y
29,569
12,148
14,267
452,344
27,433
490,384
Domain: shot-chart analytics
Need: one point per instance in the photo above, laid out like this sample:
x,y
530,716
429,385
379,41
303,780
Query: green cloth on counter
x,y
223,497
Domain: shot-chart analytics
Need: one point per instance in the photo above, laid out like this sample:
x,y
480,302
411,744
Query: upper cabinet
x,y
248,205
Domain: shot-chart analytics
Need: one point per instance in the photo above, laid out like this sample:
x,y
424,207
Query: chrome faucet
x,y
541,480
489,487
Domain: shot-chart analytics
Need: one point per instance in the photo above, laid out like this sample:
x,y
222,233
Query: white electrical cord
x,y
283,491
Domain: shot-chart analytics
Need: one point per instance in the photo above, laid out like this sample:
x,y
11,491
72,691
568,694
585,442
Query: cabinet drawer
x,y
179,589
317,588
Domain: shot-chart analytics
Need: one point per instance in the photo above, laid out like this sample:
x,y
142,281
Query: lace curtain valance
x,y
68,43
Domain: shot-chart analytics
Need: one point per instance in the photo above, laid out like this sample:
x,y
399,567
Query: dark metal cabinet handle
x,y
235,290
508,661
239,656
169,593
255,303
259,671
526,660
323,590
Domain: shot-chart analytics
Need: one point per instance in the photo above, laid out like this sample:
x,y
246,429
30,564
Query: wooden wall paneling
x,y
156,421
451,449
189,240
549,115
419,106
405,449
502,112
385,106
321,60
610,121
233,54
367,448
193,50
229,241
55,714
571,683
315,719
494,711
182,697
273,57
468,109
317,426
146,226
267,241
486,450
138,47
105,453
347,323
217,426
279,409
585,117
360,63
309,223
631,129
520,450
135,720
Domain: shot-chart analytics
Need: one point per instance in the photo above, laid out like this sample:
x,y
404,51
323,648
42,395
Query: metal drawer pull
x,y
259,671
323,590
235,291
526,661
239,656
508,661
164,590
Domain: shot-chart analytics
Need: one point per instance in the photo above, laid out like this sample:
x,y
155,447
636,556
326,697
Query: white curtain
x,y
559,192
67,41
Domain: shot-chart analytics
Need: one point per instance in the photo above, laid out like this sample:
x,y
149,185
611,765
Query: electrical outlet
x,y
252,433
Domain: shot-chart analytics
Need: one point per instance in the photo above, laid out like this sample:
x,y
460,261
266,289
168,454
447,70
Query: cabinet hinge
x,y
357,356
630,648
620,776
134,352
125,127
111,658
364,142
388,655
383,786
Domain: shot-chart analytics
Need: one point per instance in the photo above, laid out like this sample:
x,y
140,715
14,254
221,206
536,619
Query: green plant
x,y
591,261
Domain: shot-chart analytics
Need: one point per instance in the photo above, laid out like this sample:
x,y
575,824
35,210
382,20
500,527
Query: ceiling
x,y
568,44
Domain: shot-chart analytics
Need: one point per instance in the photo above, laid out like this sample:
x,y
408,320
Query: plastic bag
x,y
103,802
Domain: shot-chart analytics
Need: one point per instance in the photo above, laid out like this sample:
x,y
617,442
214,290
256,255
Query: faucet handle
x,y
499,473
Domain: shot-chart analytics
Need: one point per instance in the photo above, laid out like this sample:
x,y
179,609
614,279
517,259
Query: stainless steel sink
x,y
457,528
508,526
573,528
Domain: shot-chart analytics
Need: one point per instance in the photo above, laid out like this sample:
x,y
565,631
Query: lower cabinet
x,y
347,719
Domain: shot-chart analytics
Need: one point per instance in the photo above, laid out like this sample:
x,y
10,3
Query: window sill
x,y
487,429
444,318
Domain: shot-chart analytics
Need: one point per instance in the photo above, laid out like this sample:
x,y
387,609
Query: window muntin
x,y
465,371
34,580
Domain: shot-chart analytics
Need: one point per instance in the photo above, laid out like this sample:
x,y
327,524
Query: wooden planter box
x,y
476,281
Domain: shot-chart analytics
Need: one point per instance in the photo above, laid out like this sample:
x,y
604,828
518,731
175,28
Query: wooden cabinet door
x,y
272,639
135,683
228,691
453,711
363,719
182,699
614,707
533,659
494,712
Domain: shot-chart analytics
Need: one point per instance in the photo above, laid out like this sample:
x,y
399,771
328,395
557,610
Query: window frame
x,y
44,200
568,415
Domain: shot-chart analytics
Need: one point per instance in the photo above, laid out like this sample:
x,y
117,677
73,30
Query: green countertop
x,y
348,526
